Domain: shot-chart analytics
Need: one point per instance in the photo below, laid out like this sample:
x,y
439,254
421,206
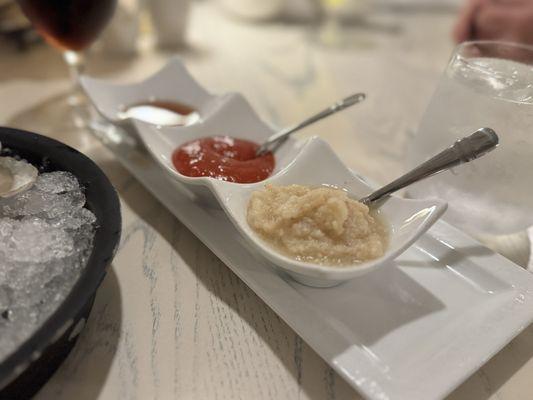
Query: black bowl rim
x,y
106,241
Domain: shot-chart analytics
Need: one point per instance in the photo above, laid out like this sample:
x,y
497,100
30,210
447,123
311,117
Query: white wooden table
x,y
170,320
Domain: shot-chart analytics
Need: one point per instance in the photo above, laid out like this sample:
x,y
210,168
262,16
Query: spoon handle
x,y
462,151
278,138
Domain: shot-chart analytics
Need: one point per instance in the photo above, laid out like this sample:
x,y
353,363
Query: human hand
x,y
508,20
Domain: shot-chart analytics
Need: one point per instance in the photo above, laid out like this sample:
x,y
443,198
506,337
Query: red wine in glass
x,y
69,24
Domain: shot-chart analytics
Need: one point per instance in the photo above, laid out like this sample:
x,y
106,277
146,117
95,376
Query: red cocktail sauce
x,y
225,158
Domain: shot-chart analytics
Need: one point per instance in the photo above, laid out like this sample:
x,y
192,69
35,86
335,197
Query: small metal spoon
x,y
277,139
462,151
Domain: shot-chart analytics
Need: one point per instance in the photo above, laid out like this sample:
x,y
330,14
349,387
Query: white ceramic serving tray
x,y
414,329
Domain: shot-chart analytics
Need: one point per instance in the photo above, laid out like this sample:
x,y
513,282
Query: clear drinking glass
x,y
485,84
70,26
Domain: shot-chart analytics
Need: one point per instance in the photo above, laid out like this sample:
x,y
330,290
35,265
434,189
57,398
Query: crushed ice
x,y
46,237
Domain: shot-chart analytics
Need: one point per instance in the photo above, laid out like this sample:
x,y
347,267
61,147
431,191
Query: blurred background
x,y
139,24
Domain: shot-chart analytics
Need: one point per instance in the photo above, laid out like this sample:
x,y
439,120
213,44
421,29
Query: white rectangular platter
x,y
415,330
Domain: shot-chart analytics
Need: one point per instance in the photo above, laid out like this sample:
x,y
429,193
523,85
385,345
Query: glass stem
x,y
77,99
76,65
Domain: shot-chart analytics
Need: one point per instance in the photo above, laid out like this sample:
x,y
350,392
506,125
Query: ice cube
x,y
75,220
34,240
56,182
44,204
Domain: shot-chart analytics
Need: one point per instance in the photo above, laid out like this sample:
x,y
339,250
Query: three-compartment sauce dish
x,y
297,207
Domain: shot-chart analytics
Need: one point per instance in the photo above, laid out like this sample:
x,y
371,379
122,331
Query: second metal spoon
x,y
277,139
462,151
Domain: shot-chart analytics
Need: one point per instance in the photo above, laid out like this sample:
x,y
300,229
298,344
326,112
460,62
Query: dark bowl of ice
x,y
57,238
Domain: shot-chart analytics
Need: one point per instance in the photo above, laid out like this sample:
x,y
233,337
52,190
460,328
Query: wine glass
x,y
71,26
